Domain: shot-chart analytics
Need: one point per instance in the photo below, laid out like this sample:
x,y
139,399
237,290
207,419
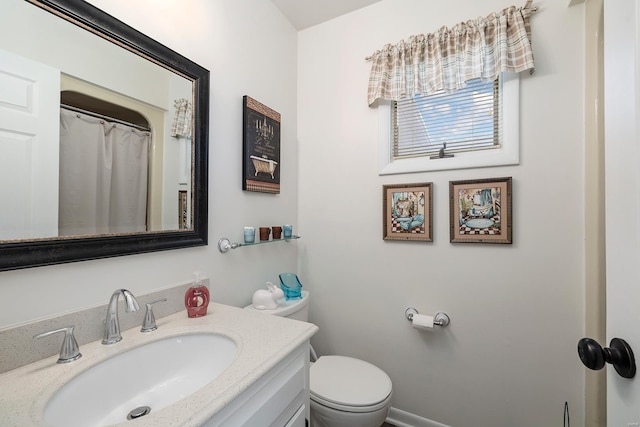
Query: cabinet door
x,y
280,398
298,418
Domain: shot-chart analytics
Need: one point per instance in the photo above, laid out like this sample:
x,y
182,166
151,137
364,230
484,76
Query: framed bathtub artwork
x,y
481,211
260,147
407,212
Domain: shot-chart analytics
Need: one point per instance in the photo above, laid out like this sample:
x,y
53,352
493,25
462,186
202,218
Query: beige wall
x,y
595,292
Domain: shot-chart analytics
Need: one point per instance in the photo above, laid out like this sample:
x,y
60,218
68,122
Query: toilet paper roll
x,y
422,321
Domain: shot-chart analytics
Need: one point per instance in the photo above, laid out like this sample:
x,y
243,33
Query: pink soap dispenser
x,y
196,299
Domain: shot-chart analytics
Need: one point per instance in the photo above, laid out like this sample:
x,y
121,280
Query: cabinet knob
x,y
619,354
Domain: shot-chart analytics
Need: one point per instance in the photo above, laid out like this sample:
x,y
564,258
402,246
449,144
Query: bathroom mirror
x,y
111,73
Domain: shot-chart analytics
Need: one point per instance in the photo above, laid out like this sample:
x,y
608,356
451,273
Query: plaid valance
x,y
181,125
446,60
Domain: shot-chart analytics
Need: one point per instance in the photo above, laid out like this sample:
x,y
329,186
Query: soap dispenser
x,y
196,299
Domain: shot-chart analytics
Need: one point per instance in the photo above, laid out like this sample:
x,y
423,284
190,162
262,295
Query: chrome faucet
x,y
111,323
69,350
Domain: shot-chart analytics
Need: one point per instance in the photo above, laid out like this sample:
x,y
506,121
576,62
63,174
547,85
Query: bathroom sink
x,y
140,381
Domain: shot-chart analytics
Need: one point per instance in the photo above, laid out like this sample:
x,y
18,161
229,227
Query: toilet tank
x,y
297,309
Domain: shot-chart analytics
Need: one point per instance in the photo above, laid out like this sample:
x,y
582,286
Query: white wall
x,y
69,48
509,356
250,49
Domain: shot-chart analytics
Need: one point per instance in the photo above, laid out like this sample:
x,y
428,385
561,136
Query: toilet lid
x,y
347,381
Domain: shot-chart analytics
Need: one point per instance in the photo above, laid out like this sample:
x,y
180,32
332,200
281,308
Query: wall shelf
x,y
225,244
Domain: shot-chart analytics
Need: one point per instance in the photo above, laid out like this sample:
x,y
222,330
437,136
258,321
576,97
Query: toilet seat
x,y
349,384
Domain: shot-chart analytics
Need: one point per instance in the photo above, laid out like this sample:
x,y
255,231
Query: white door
x,y
622,200
29,135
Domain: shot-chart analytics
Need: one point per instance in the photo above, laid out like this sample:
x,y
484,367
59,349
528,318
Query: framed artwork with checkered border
x,y
481,210
407,212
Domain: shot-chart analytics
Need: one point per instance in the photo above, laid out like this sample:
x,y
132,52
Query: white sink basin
x,y
153,375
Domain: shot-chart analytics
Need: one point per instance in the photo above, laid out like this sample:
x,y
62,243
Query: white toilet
x,y
345,392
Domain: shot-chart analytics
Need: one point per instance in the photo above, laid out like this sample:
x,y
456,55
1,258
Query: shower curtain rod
x,y
101,116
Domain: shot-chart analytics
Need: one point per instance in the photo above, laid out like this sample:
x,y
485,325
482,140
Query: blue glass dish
x,y
290,285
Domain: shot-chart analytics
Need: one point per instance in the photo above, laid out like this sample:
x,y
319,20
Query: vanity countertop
x,y
263,341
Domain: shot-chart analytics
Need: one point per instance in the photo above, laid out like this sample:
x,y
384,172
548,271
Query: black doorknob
x,y
619,354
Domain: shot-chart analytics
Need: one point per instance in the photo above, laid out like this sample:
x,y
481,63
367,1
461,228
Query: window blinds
x,y
466,120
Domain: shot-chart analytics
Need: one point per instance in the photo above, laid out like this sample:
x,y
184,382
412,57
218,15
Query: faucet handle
x,y
69,350
149,323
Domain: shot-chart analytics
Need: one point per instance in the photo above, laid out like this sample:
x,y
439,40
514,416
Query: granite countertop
x,y
263,341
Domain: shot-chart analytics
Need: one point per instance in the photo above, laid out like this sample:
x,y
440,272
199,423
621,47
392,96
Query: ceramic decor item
x,y
276,292
264,233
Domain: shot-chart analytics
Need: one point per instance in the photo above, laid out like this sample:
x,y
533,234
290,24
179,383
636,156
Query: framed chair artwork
x,y
407,212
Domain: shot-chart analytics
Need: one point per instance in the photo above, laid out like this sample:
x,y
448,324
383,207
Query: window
x,y
479,124
466,120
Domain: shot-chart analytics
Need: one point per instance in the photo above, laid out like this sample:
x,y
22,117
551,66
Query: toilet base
x,y
323,416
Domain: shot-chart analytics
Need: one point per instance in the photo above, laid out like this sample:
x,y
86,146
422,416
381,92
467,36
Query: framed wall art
x,y
481,211
261,147
183,210
407,212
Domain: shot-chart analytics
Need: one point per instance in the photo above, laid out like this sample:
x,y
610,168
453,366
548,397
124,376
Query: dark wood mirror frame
x,y
40,252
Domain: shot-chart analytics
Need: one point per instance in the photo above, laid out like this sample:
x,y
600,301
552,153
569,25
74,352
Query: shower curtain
x,y
103,176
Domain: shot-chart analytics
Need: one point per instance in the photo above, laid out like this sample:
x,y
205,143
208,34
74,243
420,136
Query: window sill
x,y
485,158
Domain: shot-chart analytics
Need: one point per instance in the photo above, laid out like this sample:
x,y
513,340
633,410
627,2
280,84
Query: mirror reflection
x,y
103,138
94,139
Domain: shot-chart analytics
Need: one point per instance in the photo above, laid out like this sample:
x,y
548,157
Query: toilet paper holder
x,y
440,319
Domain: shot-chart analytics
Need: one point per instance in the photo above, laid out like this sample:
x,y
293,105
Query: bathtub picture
x,y
407,212
481,211
261,148
264,165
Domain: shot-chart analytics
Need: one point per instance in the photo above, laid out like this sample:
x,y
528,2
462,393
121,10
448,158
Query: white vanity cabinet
x,y
280,398
267,384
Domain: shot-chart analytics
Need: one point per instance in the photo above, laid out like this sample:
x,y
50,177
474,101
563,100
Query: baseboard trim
x,y
401,418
